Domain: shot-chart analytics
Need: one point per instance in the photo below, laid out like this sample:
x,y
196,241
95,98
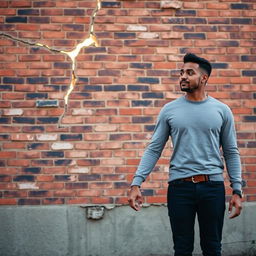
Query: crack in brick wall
x,y
72,54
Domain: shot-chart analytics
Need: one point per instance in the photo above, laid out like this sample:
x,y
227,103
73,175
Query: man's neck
x,y
196,96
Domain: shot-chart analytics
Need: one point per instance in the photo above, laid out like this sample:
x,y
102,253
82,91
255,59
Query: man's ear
x,y
204,78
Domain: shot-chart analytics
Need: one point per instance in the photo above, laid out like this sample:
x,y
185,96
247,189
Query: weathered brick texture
x,y
121,87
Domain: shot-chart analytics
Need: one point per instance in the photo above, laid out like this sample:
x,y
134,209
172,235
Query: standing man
x,y
199,126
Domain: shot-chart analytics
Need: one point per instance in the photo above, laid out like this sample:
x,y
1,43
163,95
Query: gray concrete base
x,y
66,231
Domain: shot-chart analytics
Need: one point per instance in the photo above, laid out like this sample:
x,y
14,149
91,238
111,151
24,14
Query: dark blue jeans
x,y
207,201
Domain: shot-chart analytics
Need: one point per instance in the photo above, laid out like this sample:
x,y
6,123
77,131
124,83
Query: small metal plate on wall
x,y
95,212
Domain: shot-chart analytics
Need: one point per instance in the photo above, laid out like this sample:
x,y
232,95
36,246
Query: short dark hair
x,y
203,63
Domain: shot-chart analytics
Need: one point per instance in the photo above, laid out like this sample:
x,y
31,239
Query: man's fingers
x,y
235,213
135,199
133,204
238,208
230,206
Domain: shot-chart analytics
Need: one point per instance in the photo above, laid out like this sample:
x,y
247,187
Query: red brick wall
x,y
121,87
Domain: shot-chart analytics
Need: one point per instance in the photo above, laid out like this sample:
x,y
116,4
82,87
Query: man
x,y
199,126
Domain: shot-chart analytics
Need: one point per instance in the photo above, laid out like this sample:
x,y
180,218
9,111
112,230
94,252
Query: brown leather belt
x,y
197,178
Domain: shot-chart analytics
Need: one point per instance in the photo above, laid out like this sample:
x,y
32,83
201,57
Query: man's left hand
x,y
236,202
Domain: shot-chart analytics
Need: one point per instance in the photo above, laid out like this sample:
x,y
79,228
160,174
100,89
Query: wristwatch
x,y
238,192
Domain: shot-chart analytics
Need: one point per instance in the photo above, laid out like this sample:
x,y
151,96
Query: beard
x,y
188,88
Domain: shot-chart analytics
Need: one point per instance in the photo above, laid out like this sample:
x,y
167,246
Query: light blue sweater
x,y
198,130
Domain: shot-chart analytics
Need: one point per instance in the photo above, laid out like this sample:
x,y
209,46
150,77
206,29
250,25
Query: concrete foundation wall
x,y
67,231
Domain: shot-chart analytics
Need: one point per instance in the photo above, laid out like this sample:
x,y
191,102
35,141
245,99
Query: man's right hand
x,y
135,198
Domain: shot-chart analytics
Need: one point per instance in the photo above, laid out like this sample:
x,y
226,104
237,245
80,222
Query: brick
x,y
13,80
166,4
114,88
28,12
32,170
249,72
51,12
248,58
137,103
219,65
104,128
8,201
24,120
79,185
28,201
4,137
7,12
62,145
54,201
39,20
5,178
5,120
13,194
218,6
172,35
79,170
173,20
74,12
7,154
249,118
138,87
241,21
71,137
185,13
46,137
241,6
228,43
12,112
194,36
148,80
111,4
89,177
48,120
82,129
16,19
62,162
218,20
148,35
52,154
39,193
22,178
142,119
6,87
47,103
111,145
76,154
136,28
22,137
120,137
156,95
124,35
65,178
141,65
109,72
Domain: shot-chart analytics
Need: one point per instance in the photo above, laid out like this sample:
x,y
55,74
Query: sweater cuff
x,y
137,181
237,186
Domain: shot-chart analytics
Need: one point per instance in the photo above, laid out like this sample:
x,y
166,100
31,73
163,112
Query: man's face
x,y
190,77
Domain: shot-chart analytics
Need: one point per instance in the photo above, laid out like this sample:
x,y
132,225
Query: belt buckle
x,y
193,180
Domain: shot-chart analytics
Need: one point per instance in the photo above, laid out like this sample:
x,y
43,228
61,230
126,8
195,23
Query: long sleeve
x,y
230,150
153,150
